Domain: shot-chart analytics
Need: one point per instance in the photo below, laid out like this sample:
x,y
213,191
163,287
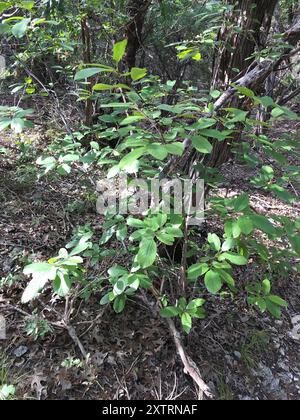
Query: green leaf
x,y
195,303
241,203
119,50
295,242
214,241
278,301
120,286
174,231
20,28
62,284
277,112
202,144
228,244
261,303
204,123
227,277
262,223
169,312
4,5
274,309
132,119
165,238
26,4
147,253
6,391
244,91
137,74
4,29
197,270
235,259
175,148
213,281
102,86
5,123
18,125
117,271
105,299
90,72
236,230
41,269
173,109
121,233
82,246
70,158
157,150
107,235
136,223
41,274
215,94
129,159
64,169
186,322
266,101
216,134
266,284
119,303
246,225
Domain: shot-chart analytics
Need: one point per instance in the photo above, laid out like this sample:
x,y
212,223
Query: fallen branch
x,y
289,97
190,367
73,335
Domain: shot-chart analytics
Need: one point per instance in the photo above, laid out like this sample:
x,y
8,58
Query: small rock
x,y
20,351
282,352
275,385
237,355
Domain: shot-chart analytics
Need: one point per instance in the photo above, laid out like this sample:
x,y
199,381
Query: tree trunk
x,y
253,18
87,59
137,10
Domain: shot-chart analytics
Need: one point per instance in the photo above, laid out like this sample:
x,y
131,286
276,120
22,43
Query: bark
x,y
86,41
253,18
137,10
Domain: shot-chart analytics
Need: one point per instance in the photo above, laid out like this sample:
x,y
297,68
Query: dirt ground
x,y
242,355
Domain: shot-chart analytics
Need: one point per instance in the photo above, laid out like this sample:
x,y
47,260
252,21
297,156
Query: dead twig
x,y
190,367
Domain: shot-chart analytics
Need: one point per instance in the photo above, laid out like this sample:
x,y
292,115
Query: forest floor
x,y
242,355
